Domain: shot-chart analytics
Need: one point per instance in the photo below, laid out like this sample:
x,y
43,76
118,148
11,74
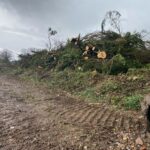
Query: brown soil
x,y
33,117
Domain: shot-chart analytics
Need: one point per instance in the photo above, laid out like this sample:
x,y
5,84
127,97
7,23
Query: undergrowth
x,y
122,91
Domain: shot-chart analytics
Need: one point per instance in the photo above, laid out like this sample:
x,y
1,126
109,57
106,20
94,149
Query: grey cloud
x,y
68,17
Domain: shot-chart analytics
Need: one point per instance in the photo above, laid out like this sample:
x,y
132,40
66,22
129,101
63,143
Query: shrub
x,y
92,64
132,63
118,64
69,58
115,65
132,102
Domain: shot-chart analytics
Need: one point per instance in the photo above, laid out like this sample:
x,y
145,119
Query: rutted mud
x,y
36,118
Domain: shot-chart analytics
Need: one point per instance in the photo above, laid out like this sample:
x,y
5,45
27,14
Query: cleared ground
x,y
33,117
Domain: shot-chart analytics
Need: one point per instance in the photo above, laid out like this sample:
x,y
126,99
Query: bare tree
x,y
50,34
113,18
5,56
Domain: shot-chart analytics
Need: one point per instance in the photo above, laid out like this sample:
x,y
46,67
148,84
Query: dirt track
x,y
35,118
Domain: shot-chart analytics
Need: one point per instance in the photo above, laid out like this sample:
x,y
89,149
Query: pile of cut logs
x,y
90,50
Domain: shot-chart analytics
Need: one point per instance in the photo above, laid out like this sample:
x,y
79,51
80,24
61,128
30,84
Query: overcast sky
x,y
24,23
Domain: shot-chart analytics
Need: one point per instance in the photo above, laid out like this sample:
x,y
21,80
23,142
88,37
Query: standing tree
x,y
113,18
50,34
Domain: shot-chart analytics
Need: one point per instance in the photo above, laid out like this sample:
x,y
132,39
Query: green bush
x,y
69,58
115,65
118,64
91,65
132,102
132,63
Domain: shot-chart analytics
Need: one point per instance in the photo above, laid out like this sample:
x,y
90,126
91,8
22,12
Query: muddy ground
x,y
33,117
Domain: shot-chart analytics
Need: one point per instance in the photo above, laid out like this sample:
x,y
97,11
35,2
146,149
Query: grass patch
x,y
108,86
91,95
